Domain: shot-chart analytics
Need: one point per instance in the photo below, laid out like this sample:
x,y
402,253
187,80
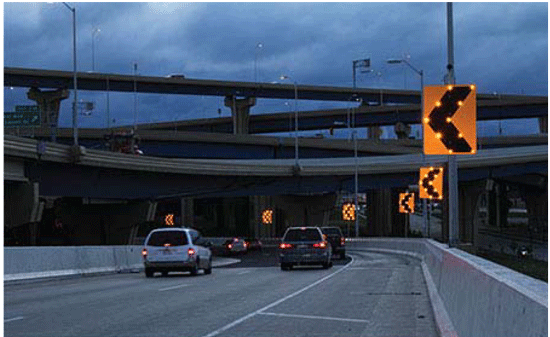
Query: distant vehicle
x,y
253,244
304,246
176,249
336,239
176,76
234,246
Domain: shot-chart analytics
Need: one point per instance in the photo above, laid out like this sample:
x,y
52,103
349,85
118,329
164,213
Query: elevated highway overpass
x,y
187,144
102,174
391,106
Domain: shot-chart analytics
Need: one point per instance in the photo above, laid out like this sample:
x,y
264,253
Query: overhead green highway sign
x,y
24,115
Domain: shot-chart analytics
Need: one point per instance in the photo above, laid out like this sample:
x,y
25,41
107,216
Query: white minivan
x,y
176,249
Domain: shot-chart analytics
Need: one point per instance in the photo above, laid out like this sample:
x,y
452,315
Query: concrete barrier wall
x,y
481,298
23,263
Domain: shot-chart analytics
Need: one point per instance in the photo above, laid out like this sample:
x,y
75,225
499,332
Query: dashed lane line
x,y
13,319
316,317
174,287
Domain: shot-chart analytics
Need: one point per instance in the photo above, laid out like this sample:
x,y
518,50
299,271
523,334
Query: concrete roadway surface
x,y
369,294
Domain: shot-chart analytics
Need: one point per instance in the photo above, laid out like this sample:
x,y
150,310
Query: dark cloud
x,y
502,47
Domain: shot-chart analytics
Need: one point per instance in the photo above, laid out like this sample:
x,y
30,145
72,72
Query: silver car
x,y
176,249
303,246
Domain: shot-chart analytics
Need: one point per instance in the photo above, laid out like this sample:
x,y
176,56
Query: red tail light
x,y
285,245
144,253
191,252
342,241
322,244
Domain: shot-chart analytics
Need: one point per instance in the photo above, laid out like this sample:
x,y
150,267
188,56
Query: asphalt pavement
x,y
369,294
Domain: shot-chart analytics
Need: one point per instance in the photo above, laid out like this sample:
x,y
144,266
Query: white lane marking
x,y
13,319
316,317
244,272
252,314
174,287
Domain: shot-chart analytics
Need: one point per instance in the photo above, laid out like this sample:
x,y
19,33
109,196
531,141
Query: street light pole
x,y
94,32
356,172
258,47
284,77
75,116
425,223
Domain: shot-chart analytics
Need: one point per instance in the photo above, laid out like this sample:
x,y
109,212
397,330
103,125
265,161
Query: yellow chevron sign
x,y
406,202
430,185
449,118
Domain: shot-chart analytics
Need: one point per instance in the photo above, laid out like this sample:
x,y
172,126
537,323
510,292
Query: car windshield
x,y
332,231
308,234
173,238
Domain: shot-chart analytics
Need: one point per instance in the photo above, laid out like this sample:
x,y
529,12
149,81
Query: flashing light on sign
x,y
348,211
431,183
267,216
169,219
449,114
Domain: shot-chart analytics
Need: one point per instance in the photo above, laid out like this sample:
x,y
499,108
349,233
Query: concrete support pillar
x,y
308,210
402,130
187,212
229,216
261,203
240,111
49,102
380,213
536,203
543,124
374,132
469,194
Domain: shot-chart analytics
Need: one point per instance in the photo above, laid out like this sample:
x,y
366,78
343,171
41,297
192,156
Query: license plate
x,y
302,246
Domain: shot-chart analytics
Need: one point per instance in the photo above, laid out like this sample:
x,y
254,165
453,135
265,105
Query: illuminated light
x,y
191,252
460,135
473,151
450,151
426,120
472,86
438,104
450,87
448,119
303,228
285,245
342,241
321,244
166,245
229,246
460,103
267,216
169,220
438,135
144,253
430,182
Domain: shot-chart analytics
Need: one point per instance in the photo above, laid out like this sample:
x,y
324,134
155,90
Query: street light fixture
x,y
285,77
75,116
94,32
259,46
421,74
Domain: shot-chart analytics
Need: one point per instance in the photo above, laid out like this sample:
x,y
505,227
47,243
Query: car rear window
x,y
308,234
332,231
174,238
